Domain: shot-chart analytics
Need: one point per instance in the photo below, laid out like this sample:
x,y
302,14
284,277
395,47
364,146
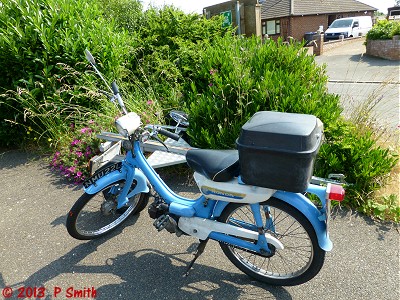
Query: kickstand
x,y
200,249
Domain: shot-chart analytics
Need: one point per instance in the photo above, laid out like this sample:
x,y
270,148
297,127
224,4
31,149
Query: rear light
x,y
334,192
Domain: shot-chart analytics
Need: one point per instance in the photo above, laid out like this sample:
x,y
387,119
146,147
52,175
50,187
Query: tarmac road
x,y
137,262
367,85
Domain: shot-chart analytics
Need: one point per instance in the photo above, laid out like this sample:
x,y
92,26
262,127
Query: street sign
x,y
227,21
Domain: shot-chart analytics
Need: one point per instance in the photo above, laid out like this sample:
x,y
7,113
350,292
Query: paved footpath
x,y
367,85
137,262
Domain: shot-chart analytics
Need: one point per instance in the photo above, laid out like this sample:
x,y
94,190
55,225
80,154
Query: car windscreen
x,y
341,23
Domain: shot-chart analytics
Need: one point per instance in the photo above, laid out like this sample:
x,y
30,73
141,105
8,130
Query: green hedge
x,y
43,74
240,76
384,30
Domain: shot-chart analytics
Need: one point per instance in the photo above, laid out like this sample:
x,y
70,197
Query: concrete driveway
x,y
136,262
368,86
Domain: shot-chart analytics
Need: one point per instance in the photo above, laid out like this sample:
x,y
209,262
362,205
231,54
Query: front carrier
x,y
278,150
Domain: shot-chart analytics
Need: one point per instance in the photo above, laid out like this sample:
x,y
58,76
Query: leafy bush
x,y
365,164
242,76
239,77
42,46
170,44
384,30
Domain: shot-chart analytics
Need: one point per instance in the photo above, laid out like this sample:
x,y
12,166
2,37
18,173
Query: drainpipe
x,y
290,17
238,17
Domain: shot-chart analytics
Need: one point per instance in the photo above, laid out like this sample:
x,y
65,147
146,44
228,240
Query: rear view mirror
x,y
90,57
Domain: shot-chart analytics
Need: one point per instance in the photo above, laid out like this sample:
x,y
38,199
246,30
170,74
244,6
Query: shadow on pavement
x,y
149,274
380,227
13,158
372,60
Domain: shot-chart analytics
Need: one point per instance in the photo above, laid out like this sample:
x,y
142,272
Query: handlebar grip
x,y
114,88
169,134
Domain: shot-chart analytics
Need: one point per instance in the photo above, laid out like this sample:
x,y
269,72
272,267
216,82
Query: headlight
x,y
126,125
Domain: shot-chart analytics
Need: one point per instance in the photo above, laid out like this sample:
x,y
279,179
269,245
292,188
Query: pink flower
x,y
75,142
150,102
86,130
79,153
210,84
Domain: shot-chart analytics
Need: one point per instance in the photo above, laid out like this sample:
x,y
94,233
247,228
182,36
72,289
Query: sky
x,y
196,6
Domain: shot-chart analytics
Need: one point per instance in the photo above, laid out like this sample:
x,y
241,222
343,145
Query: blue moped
x,y
275,236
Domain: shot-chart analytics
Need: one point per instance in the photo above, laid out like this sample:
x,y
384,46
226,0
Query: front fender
x,y
141,186
310,211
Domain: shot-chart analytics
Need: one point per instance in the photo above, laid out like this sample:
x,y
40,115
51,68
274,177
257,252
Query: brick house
x,y
286,17
296,17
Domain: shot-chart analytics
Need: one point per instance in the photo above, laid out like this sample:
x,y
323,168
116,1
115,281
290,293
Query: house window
x,y
272,27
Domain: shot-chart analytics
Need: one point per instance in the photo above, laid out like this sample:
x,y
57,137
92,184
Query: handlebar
x,y
114,88
169,134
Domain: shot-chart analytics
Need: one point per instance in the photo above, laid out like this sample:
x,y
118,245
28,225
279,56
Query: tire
x,y
95,215
299,261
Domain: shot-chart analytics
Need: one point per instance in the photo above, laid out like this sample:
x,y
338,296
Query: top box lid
x,y
282,131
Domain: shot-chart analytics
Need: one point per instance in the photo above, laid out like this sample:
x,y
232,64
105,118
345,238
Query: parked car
x,y
349,27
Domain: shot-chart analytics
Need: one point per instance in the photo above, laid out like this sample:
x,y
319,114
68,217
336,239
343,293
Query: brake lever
x,y
160,141
109,96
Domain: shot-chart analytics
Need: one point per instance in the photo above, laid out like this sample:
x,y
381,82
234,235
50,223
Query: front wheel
x,y
299,261
94,215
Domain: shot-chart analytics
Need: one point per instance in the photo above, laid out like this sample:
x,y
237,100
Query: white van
x,y
349,27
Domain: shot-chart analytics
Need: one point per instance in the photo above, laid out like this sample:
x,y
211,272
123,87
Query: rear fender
x,y
311,212
305,206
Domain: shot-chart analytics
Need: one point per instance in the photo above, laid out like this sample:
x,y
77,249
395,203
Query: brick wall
x,y
388,49
300,25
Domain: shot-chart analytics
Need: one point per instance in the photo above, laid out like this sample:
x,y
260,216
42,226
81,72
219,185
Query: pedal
x,y
167,222
161,222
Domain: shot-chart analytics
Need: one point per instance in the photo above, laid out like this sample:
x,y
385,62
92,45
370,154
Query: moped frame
x,y
136,168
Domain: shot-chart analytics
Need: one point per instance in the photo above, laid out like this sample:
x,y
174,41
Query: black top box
x,y
278,150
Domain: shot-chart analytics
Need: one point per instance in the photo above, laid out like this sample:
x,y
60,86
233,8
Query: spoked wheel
x,y
299,261
94,215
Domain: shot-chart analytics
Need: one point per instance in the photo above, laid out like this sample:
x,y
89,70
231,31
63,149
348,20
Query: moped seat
x,y
217,165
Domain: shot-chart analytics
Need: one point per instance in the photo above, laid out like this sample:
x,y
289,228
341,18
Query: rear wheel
x,y
94,215
299,261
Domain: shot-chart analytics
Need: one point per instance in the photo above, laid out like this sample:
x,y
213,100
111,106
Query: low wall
x,y
339,43
318,46
388,49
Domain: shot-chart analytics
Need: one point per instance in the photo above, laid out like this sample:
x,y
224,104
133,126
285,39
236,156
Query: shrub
x,y
365,164
239,77
384,30
242,76
42,46
170,44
